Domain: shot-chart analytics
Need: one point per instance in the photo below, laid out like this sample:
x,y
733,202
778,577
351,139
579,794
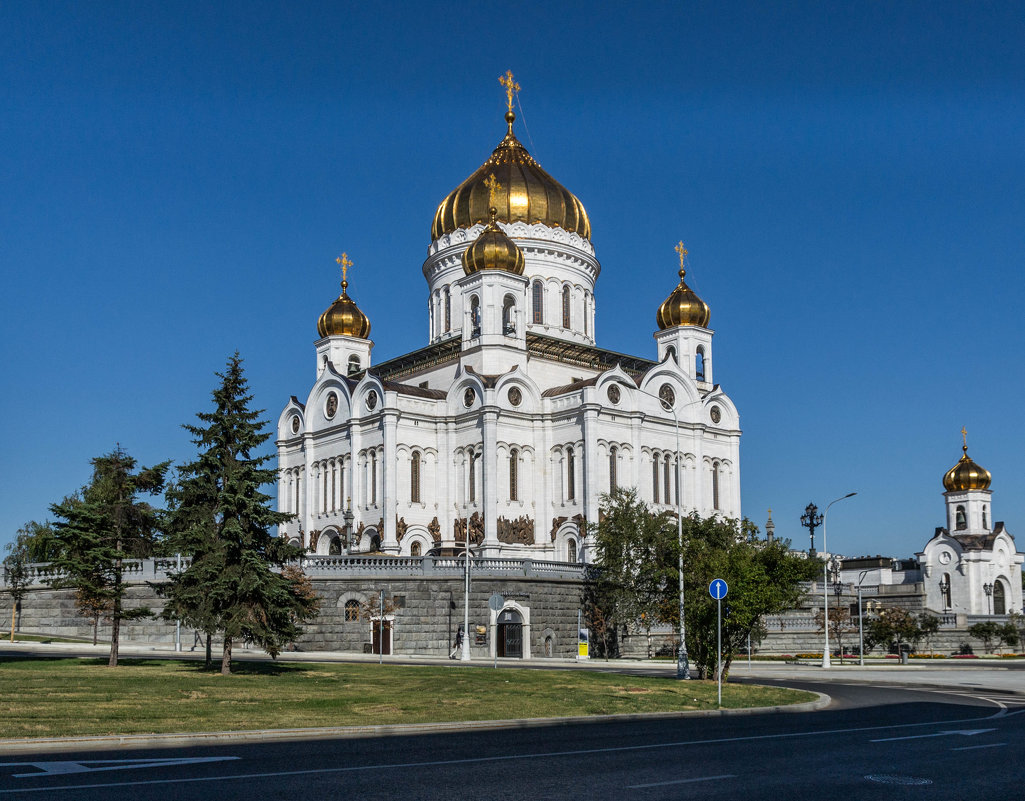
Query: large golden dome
x,y
966,475
493,250
683,307
343,317
528,194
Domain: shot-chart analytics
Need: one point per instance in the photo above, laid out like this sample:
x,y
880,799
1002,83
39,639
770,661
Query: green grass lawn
x,y
64,697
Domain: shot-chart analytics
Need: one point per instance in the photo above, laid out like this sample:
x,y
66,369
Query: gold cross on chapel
x,y
493,186
511,87
682,251
964,436
345,263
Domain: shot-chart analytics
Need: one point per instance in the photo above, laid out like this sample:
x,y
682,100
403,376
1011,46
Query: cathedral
x,y
510,423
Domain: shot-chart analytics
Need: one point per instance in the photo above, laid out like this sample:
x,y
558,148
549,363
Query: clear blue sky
x,y
849,178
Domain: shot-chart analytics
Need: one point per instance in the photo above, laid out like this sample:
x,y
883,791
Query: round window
x,y
331,407
468,397
715,414
667,396
614,394
295,424
515,396
372,400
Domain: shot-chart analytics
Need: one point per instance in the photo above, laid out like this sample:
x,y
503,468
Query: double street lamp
x,y
825,579
988,589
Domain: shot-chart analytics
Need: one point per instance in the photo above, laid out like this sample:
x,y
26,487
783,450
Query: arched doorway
x,y
510,634
999,598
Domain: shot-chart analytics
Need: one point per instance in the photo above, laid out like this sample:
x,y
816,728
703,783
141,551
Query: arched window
x,y
613,464
537,299
945,591
474,316
715,486
676,481
565,307
295,507
699,364
354,365
508,323
473,478
665,478
960,523
671,352
373,478
514,456
985,524
587,317
571,476
654,478
414,549
571,551
352,611
999,598
414,477
448,311
335,547
323,495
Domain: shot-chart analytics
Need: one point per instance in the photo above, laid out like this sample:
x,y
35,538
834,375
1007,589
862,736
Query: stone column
x,y
489,476
389,470
589,457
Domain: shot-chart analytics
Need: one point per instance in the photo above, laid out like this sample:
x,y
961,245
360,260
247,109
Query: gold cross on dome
x,y
511,87
345,263
964,436
493,186
682,251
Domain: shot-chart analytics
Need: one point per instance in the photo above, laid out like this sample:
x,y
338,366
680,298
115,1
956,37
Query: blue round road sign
x,y
718,589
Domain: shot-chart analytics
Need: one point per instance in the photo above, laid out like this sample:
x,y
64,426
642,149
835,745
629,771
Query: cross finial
x,y
345,263
682,251
964,438
493,186
511,87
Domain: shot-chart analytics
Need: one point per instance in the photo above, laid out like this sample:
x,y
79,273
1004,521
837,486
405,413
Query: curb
x,y
185,739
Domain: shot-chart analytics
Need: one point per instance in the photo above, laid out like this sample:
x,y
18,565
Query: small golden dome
x,y
683,307
528,194
493,250
966,475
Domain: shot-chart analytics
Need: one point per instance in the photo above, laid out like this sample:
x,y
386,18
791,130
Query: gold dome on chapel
x,y
343,317
683,306
493,250
529,194
966,475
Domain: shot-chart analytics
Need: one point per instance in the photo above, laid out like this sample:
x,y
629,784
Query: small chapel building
x,y
511,421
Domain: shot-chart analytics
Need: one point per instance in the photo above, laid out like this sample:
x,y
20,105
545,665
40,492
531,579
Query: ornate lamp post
x,y
464,656
988,589
838,591
347,516
811,520
861,621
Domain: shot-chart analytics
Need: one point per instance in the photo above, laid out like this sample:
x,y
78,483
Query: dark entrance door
x,y
510,634
387,637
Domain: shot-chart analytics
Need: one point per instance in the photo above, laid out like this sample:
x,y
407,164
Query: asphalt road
x,y
871,741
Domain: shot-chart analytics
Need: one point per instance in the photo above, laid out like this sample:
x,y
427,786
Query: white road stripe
x,y
973,747
682,781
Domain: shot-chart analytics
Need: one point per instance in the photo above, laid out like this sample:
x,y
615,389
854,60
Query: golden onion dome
x,y
528,194
966,475
493,250
683,307
343,317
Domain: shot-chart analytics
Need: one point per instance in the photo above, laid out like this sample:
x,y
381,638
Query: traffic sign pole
x,y
718,589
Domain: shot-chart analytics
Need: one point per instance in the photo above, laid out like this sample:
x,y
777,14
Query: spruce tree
x,y
222,520
98,529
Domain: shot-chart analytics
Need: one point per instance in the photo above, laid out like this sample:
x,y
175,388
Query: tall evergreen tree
x,y
222,520
100,527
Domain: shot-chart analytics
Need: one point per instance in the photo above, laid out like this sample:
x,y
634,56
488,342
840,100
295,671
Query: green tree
x,y
636,573
16,575
893,626
1009,634
100,527
987,631
928,627
222,520
38,541
840,625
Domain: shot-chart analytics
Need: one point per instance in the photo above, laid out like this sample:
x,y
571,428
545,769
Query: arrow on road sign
x,y
718,589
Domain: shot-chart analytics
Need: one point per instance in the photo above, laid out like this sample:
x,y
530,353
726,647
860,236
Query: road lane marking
x,y
499,758
964,732
682,781
973,747
59,768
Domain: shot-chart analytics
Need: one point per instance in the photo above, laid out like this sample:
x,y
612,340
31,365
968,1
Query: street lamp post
x,y
682,663
465,655
838,591
861,621
988,589
348,517
825,578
